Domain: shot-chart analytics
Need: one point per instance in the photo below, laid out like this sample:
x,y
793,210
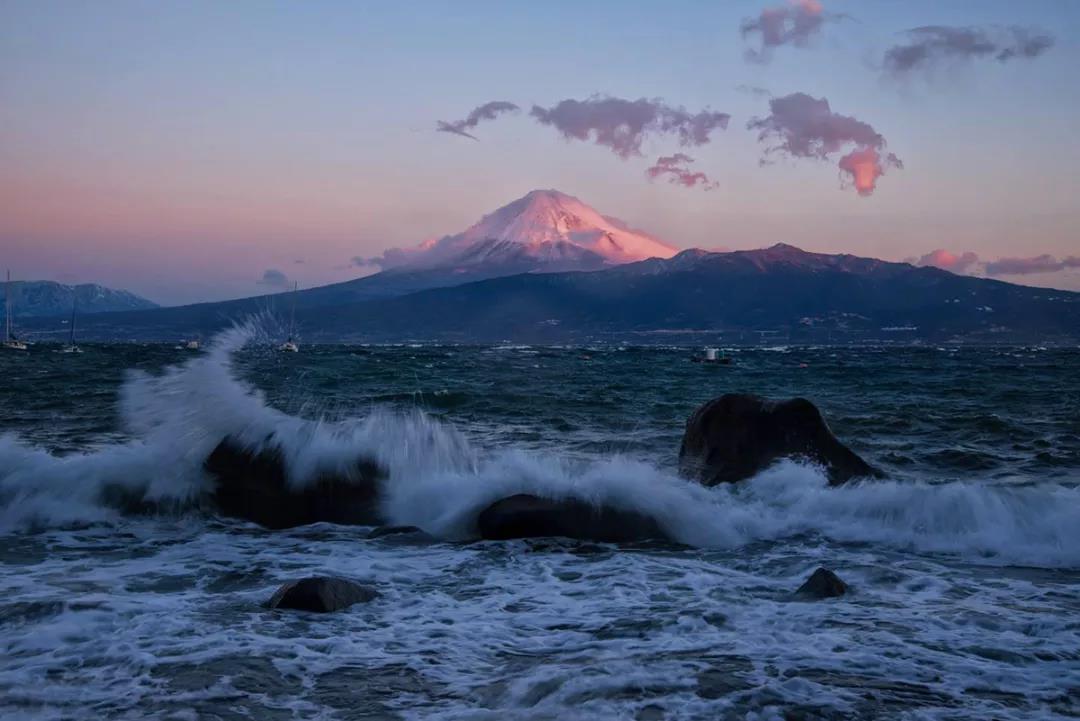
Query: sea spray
x,y
439,481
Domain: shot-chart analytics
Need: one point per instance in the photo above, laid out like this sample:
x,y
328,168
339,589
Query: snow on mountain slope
x,y
544,229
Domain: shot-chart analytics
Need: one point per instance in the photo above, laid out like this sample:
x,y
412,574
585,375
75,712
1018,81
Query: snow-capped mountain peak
x,y
544,229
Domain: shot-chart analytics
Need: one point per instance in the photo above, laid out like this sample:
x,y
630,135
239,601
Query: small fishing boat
x,y
712,355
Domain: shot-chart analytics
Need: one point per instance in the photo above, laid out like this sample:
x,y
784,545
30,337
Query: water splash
x,y
439,482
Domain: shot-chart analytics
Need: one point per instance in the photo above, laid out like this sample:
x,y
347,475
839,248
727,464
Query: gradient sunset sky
x,y
182,149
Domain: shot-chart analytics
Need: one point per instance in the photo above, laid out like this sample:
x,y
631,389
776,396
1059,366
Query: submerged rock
x,y
737,435
411,531
526,516
321,594
254,487
822,583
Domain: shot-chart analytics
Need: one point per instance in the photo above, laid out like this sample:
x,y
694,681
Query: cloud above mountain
x,y
487,111
274,278
674,167
941,258
931,46
792,24
1027,266
801,126
623,125
394,257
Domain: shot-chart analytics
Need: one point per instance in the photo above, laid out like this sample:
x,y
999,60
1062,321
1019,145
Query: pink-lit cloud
x,y
1027,266
677,172
864,166
487,111
622,125
792,24
801,126
946,260
932,45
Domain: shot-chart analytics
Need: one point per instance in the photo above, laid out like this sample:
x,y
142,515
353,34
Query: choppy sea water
x,y
964,564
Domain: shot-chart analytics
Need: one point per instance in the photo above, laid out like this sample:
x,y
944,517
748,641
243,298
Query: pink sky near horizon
x,y
181,160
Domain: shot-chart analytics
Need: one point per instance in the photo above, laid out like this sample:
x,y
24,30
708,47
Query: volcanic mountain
x,y
545,230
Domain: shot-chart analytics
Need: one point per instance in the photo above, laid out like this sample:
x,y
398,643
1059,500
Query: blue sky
x,y
181,149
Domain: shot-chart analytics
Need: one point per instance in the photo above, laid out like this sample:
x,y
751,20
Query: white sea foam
x,y
437,481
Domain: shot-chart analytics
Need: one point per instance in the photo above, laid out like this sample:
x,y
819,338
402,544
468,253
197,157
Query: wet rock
x,y
253,486
526,516
737,435
822,583
411,531
321,594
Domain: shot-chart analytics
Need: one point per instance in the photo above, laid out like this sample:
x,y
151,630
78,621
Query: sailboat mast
x,y
7,308
72,340
292,313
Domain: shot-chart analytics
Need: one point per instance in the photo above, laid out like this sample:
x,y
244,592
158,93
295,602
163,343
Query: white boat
x,y
71,347
290,345
192,345
10,341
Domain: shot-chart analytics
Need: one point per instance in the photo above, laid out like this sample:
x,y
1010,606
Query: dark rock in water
x,y
321,594
735,436
822,583
525,516
383,531
254,487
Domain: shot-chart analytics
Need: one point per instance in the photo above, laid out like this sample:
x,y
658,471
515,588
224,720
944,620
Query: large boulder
x,y
321,594
254,486
526,516
737,435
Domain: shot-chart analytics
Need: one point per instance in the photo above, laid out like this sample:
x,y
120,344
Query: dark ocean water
x,y
964,562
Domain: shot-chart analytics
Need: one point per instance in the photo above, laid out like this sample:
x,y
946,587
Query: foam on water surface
x,y
964,592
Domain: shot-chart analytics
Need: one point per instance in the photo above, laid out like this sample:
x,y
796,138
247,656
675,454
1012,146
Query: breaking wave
x,y
439,481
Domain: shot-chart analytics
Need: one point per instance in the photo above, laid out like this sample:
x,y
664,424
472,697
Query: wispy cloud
x,y
622,125
487,111
274,278
792,24
933,45
677,172
754,91
1027,266
801,126
941,258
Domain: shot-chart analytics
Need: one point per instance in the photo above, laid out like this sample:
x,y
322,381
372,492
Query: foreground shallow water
x,y
964,565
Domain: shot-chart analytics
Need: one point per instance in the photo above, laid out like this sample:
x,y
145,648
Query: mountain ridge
x,y
809,297
39,298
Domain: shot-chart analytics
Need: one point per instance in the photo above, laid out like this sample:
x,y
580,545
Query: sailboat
x,y
71,347
290,345
10,341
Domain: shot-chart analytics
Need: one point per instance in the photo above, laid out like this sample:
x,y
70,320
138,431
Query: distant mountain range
x,y
547,268
46,298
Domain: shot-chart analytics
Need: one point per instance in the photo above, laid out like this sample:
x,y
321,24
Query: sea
x,y
963,562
